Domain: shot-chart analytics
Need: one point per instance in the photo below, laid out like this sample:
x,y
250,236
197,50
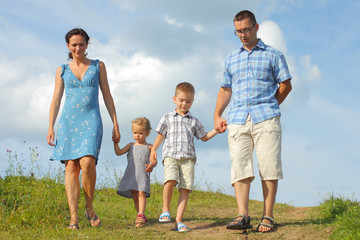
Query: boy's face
x,y
183,102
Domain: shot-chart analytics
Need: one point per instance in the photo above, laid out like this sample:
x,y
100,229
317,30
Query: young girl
x,y
135,183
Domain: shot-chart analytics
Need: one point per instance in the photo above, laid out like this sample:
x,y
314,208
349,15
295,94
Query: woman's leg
x,y
87,165
72,188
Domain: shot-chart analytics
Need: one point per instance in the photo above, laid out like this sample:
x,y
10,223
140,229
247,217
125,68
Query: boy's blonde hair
x,y
185,87
143,122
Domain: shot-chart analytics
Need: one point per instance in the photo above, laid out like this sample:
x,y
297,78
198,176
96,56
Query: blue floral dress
x,y
80,127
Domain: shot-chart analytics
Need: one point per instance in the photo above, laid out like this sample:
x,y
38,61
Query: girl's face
x,y
139,133
77,46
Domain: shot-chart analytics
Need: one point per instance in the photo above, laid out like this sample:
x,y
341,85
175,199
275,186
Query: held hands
x,y
116,134
153,161
220,124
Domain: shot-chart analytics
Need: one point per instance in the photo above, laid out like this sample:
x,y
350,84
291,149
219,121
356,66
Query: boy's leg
x,y
171,177
135,196
183,199
167,195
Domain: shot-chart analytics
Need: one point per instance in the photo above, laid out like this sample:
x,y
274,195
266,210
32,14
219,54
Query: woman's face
x,y
77,46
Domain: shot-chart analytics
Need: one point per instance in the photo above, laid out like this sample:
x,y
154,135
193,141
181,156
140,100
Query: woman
x,y
80,129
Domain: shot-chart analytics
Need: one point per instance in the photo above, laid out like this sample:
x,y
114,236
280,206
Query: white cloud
x,y
312,72
271,34
303,71
173,21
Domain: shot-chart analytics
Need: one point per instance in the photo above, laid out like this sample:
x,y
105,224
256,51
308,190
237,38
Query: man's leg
x,y
242,191
267,138
269,193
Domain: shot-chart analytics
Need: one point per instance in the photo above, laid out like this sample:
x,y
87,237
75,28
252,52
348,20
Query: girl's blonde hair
x,y
143,122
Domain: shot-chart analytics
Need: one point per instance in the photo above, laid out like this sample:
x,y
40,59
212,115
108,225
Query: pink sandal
x,y
141,220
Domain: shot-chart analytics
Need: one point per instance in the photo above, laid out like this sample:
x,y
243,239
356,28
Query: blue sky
x,y
150,46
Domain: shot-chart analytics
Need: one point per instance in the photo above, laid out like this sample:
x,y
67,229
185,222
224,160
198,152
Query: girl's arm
x,y
109,102
121,151
55,106
209,135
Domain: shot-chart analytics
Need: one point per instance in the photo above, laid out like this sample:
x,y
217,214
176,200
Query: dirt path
x,y
294,223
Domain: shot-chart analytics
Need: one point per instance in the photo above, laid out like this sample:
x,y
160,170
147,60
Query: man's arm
x,y
222,101
283,90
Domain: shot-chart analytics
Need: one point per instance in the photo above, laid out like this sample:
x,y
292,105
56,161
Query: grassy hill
x,y
34,208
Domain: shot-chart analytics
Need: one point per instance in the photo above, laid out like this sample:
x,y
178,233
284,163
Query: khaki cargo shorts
x,y
180,170
265,137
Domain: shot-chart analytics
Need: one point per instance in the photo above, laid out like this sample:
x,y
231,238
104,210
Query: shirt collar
x,y
260,45
188,114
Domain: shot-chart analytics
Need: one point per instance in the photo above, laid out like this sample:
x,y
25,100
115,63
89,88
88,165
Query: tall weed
x,y
344,215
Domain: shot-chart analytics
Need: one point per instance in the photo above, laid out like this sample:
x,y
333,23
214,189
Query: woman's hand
x,y
50,137
116,134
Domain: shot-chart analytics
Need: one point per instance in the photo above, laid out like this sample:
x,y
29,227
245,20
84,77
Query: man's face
x,y
247,32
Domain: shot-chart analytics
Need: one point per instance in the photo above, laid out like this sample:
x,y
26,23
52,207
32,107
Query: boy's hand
x,y
153,157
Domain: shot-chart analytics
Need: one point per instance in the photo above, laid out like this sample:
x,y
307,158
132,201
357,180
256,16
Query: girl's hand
x,y
50,137
149,167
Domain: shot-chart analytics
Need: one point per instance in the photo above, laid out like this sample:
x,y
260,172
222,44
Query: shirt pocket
x,y
262,70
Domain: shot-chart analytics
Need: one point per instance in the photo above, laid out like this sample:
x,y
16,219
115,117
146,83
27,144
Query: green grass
x,y
35,207
343,214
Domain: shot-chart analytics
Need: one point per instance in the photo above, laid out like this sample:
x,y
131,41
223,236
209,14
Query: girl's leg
x,y
72,188
142,202
135,196
87,165
183,199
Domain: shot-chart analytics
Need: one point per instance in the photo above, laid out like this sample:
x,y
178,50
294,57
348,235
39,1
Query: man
x,y
256,81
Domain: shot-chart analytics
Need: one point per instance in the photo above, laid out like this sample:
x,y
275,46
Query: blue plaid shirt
x,y
254,78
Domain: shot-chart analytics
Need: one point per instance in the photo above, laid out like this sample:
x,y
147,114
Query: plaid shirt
x,y
254,78
179,132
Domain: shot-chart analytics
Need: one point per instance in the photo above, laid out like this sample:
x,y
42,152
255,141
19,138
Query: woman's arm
x,y
55,106
109,102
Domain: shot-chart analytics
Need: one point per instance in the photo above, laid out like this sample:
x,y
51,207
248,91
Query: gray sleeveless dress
x,y
135,177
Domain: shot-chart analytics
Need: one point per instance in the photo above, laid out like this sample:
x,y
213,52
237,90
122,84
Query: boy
x,y
178,129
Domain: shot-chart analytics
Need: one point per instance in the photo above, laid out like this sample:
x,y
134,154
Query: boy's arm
x,y
153,155
121,151
209,135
